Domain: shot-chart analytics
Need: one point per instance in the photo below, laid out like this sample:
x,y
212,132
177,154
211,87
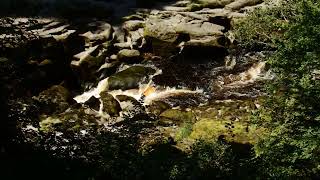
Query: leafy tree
x,y
292,111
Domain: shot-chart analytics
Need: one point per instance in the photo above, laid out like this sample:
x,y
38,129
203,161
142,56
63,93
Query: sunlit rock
x,y
129,78
129,56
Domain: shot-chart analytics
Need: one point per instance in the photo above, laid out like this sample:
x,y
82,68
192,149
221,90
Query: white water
x,y
148,91
102,86
256,72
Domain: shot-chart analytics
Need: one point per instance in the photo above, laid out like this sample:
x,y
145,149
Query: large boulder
x,y
129,78
110,104
175,116
170,34
158,107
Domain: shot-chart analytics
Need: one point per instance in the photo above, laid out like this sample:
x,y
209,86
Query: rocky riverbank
x,y
171,72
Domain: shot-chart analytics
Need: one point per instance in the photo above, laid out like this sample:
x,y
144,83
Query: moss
x,y
47,124
228,119
184,131
178,115
212,129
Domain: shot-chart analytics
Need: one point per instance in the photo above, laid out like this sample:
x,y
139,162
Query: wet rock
x,y
129,78
129,56
110,104
122,98
108,69
93,103
54,99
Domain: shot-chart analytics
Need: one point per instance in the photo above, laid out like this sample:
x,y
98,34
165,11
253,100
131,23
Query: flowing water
x,y
149,92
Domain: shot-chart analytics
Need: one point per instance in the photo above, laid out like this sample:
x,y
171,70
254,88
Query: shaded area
x,y
74,9
71,153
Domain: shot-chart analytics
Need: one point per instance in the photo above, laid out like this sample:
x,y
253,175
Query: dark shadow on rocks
x,y
110,10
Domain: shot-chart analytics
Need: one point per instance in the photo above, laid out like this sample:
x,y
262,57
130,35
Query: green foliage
x,y
265,26
213,159
293,109
184,131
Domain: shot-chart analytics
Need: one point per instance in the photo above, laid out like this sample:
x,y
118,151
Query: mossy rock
x,y
158,107
110,104
129,78
177,116
54,99
73,120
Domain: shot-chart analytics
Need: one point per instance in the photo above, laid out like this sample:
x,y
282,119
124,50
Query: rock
x,y
85,56
199,29
53,100
88,62
178,116
131,107
74,120
118,35
176,9
129,56
110,104
133,25
162,29
129,78
169,35
222,20
93,103
123,45
214,3
162,36
102,32
137,38
108,69
238,4
158,107
123,98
